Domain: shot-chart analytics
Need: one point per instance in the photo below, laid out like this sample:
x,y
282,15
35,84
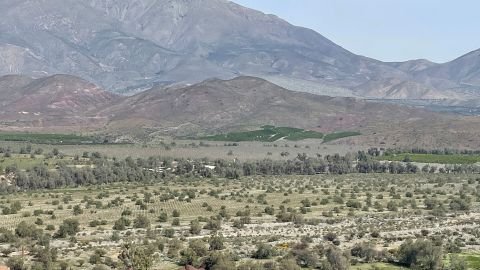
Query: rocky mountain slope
x,y
132,45
465,70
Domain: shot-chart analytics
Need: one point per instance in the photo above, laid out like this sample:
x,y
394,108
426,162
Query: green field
x,y
378,266
433,158
340,135
473,260
40,138
267,134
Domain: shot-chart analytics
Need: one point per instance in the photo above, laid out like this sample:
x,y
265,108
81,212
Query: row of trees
x,y
444,151
105,170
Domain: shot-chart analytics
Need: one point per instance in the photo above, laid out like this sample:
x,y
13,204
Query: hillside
x,y
241,102
65,103
464,70
246,103
60,101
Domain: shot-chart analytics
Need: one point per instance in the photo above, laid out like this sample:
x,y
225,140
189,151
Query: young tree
x,y
141,222
137,257
264,251
421,255
69,227
216,242
195,227
337,260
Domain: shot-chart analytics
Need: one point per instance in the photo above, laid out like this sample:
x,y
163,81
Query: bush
x,y
163,217
216,242
69,227
354,204
121,224
169,232
141,222
421,255
16,263
24,230
176,222
337,260
195,227
264,251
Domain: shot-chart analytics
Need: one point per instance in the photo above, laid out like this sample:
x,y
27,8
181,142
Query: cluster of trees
x,y
105,170
444,151
212,255
422,254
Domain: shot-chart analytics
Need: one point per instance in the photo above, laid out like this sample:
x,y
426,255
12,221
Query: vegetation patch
x,y
40,138
473,260
339,135
378,266
433,158
267,134
93,211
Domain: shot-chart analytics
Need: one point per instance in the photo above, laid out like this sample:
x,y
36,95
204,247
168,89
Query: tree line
x,y
104,170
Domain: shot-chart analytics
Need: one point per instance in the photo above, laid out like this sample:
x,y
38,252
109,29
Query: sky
x,y
388,30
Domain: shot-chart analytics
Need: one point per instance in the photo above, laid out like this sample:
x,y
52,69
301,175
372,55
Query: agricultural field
x,y
201,149
292,215
134,206
433,158
340,135
267,134
274,134
41,138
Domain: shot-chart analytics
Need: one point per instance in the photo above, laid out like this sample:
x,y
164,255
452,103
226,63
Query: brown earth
x,y
66,103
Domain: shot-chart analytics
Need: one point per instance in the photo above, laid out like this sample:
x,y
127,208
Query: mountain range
x,y
66,103
128,46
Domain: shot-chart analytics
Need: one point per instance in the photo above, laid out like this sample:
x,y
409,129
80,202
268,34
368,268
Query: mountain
x,y
395,88
245,103
241,102
464,70
60,101
127,45
65,103
413,66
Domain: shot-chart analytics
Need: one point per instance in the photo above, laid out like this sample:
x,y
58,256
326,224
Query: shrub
x,y
121,224
264,251
141,222
69,227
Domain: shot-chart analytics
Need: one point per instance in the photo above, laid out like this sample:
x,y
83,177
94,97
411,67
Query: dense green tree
x,y
421,255
69,227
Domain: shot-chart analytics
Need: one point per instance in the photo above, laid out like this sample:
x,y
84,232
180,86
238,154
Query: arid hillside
x,y
66,103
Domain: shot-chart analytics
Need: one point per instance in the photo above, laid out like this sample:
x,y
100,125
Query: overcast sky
x,y
388,30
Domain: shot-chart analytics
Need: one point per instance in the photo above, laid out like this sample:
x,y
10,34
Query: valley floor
x,y
381,211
